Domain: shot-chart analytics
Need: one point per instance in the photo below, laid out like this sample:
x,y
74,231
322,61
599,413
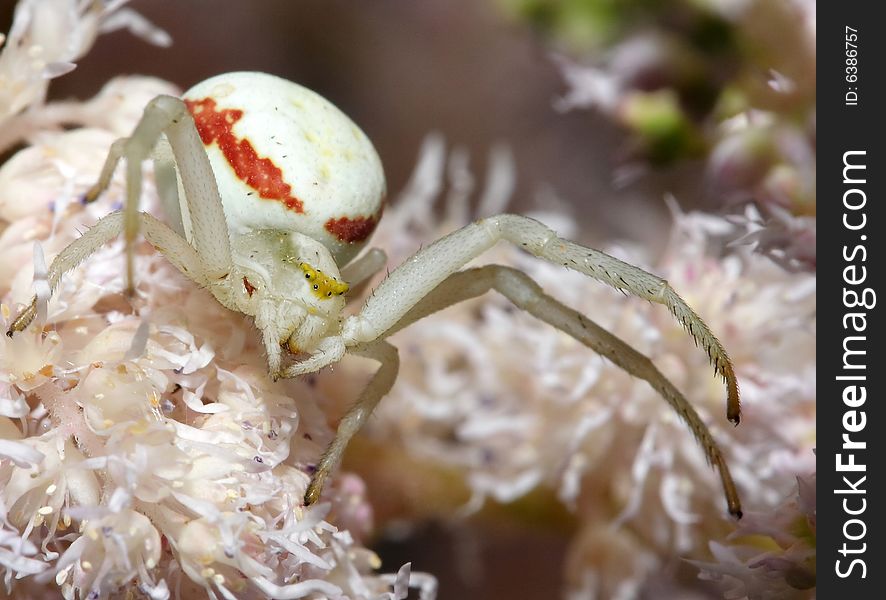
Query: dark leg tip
x,y
91,195
312,494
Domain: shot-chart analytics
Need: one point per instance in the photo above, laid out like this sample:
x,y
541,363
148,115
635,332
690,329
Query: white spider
x,y
269,188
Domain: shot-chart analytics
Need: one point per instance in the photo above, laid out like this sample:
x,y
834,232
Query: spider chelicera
x,y
269,188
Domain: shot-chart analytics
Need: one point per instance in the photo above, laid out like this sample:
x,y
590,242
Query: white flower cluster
x,y
46,38
143,449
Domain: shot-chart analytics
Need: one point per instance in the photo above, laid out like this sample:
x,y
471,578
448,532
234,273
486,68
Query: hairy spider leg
x,y
428,267
158,234
406,288
526,294
377,388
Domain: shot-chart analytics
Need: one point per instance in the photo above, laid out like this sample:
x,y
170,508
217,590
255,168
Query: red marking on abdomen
x,y
351,230
261,174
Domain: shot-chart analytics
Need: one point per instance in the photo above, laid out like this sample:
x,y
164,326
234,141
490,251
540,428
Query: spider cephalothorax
x,y
289,283
270,193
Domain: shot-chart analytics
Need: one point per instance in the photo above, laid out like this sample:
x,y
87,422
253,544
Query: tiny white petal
x,y
193,401
297,590
12,402
21,565
139,340
57,69
21,454
137,25
401,583
41,283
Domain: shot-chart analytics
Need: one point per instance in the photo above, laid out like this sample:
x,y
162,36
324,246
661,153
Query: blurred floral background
x,y
508,461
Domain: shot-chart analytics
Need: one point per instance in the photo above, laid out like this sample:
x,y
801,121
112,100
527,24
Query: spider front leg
x,y
527,295
409,293
176,250
353,421
416,277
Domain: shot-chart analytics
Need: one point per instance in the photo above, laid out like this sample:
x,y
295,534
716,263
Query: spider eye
x,y
316,287
328,293
307,275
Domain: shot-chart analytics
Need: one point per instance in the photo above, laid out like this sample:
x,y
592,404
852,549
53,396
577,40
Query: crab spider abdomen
x,y
287,159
